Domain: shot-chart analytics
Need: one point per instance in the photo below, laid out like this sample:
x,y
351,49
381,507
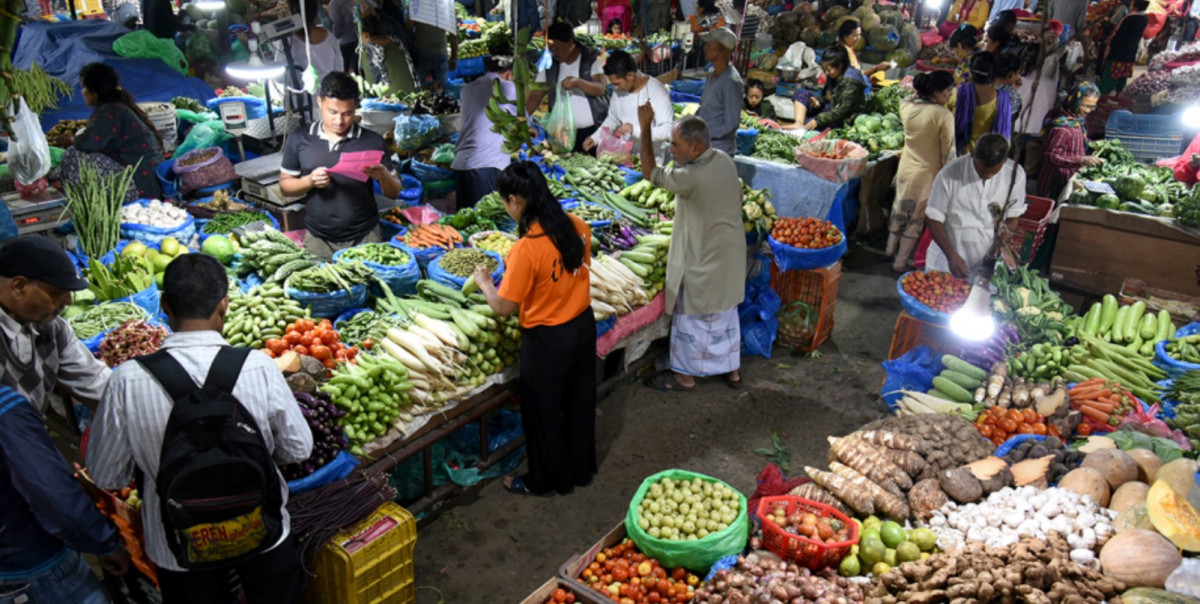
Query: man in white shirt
x,y
969,195
577,68
131,423
633,89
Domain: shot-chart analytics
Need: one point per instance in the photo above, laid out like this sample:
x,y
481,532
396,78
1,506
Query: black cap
x,y
37,257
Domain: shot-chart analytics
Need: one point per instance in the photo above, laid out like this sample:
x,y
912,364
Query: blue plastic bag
x,y
414,132
746,138
439,275
330,304
8,226
153,236
412,191
148,299
791,258
595,224
756,313
1013,441
603,326
424,257
1175,367
918,309
402,280
337,469
429,173
914,371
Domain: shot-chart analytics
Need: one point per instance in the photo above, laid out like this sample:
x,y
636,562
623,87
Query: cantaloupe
x,y
1115,465
1139,558
1136,517
1086,481
1173,516
1148,463
1129,495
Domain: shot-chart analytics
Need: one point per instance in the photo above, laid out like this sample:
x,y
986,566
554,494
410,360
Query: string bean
x,y
95,320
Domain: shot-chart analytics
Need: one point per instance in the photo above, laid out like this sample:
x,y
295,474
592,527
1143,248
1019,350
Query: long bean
x,y
319,514
95,202
100,318
40,89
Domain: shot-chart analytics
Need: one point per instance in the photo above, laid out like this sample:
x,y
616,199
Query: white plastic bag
x,y
28,152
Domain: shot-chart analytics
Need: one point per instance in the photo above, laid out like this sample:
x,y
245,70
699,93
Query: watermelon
x,y
809,36
1082,198
873,56
807,21
827,38
1108,201
870,22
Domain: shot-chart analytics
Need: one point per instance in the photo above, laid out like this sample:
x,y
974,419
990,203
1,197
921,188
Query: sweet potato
x,y
960,485
813,492
859,501
893,440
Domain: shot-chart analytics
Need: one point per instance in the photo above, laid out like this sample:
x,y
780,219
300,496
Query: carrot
x,y
1095,414
1086,386
1106,407
1091,393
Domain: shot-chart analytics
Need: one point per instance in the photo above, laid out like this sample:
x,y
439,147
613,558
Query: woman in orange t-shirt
x,y
547,277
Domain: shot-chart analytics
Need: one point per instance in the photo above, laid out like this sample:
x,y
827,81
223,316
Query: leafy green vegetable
x,y
1166,449
1129,187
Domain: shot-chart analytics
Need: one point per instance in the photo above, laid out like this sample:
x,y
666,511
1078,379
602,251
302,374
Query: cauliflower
x,y
1029,311
1024,292
999,306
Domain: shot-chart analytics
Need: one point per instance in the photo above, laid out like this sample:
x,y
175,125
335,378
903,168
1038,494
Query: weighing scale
x,y
47,211
260,183
233,116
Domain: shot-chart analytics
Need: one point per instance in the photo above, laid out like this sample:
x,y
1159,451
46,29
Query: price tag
x,y
1098,188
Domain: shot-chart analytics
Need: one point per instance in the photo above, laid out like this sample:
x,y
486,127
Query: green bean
x,y
100,318
39,89
462,261
379,253
226,222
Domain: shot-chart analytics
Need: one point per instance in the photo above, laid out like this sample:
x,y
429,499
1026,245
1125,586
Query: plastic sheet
x,y
424,257
918,309
790,258
143,44
1174,367
756,313
440,275
330,304
153,236
914,371
402,280
337,469
698,555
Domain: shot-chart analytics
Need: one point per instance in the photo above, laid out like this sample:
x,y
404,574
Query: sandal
x,y
732,383
666,382
517,487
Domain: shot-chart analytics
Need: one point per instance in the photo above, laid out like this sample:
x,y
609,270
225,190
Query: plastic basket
x,y
799,549
745,141
817,288
1147,137
570,572
127,520
1096,120
166,179
916,308
1031,228
370,562
911,332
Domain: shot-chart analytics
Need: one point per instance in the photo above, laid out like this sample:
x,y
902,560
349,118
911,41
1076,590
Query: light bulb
x,y
973,321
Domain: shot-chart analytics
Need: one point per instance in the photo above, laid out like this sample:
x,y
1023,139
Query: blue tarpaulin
x,y
62,49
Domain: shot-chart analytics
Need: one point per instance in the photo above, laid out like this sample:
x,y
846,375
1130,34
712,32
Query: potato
x,y
1115,465
1087,481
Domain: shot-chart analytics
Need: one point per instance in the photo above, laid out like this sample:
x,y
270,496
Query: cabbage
x,y
1129,187
868,122
883,38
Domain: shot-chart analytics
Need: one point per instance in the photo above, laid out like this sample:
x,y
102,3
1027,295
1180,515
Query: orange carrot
x,y
1106,407
1093,413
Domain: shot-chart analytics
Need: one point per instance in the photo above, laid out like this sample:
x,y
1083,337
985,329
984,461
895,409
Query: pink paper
x,y
353,164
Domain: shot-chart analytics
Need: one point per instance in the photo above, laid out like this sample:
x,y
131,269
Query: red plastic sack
x,y
851,166
614,147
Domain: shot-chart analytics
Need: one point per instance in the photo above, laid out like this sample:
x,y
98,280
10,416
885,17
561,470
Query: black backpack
x,y
220,494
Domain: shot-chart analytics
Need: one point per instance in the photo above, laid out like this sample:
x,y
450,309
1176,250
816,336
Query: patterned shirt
x,y
36,357
116,131
132,418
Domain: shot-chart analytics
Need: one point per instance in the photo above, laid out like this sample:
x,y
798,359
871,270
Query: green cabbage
x,y
1129,187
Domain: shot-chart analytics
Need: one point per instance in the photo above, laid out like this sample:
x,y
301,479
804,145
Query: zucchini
x,y
1166,328
962,379
1149,327
954,391
939,394
954,363
1118,328
1091,321
1133,321
1108,313
1151,595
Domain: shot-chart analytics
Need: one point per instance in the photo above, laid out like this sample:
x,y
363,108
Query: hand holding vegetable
x,y
1092,160
481,276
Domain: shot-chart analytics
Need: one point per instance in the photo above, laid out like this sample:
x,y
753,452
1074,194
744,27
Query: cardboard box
x,y
1098,249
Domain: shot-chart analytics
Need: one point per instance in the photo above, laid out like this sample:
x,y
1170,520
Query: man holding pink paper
x,y
332,165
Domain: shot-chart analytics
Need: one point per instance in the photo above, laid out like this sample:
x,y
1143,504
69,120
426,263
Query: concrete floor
x,y
487,545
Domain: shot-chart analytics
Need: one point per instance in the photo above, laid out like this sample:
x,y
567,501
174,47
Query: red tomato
x,y
321,352
560,595
1084,430
329,337
300,349
1031,416
306,341
292,338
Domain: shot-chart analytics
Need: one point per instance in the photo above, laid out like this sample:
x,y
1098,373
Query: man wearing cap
x,y
721,101
40,350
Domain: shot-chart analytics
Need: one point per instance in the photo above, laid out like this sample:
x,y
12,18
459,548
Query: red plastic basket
x,y
802,550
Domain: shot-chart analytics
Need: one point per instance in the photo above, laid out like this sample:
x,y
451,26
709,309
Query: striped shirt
x,y
132,418
36,357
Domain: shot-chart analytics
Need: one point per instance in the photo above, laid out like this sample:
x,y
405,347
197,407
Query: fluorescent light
x,y
933,4
255,69
974,320
1191,116
210,5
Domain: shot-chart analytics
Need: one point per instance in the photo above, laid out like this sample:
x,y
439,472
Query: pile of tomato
x,y
808,233
561,596
309,338
940,291
625,575
999,424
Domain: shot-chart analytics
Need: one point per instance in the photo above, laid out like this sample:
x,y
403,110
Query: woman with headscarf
x,y
849,35
1066,140
979,107
1122,49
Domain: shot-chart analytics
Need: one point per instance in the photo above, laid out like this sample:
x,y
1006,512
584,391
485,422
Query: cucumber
x,y
1091,321
1166,328
1133,321
961,379
954,391
1108,313
640,257
939,394
1118,327
954,363
1149,327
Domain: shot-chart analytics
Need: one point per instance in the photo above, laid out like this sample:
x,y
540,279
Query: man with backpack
x,y
202,425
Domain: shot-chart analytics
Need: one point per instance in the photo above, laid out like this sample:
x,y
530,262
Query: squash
x,y
1139,558
1115,465
1151,595
1181,475
1086,481
1148,464
1096,443
1173,516
1129,495
1136,517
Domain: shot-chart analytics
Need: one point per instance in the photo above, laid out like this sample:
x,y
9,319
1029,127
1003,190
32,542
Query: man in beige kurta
x,y
706,263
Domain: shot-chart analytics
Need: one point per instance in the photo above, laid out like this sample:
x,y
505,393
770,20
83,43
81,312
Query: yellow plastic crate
x,y
371,563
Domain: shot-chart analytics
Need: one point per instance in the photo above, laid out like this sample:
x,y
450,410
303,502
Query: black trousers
x,y
581,135
558,403
272,577
350,57
471,185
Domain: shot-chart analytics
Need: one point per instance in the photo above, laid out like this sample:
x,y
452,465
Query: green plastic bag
x,y
143,44
443,154
560,124
698,555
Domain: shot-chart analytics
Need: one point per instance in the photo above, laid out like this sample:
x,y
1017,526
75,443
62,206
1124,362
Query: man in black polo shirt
x,y
341,210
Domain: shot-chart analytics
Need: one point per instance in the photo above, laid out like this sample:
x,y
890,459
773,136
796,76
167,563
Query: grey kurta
x,y
707,258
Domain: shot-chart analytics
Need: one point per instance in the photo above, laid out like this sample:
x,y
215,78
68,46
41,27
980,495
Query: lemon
x,y
925,539
850,566
891,533
880,568
170,246
871,550
907,552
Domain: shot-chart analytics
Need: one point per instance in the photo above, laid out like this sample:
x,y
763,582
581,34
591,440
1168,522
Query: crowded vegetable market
x,y
632,301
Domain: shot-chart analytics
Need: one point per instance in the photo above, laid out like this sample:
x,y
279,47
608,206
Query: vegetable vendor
x,y
1066,141
117,135
341,210
48,519
580,73
965,196
756,102
971,12
721,99
131,427
631,89
389,48
928,147
849,34
478,155
547,276
979,107
1187,166
706,278
41,351
844,96
956,50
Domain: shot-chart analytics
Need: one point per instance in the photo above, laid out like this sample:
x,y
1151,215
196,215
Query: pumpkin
x,y
1181,475
1148,463
1129,495
1136,517
1086,481
1173,516
1115,465
1151,595
1139,558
